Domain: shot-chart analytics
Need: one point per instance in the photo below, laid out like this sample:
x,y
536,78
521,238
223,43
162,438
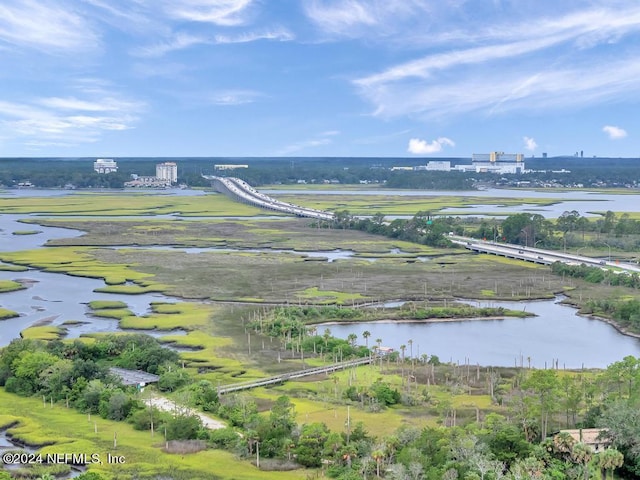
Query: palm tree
x,y
610,459
402,349
366,334
326,336
582,454
378,455
351,338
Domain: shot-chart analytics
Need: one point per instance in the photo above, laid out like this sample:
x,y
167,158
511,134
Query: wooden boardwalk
x,y
235,387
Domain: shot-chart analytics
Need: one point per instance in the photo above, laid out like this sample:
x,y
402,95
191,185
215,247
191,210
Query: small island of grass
x,y
10,286
6,314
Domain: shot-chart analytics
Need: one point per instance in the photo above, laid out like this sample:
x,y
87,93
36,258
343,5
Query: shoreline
x,y
619,328
421,320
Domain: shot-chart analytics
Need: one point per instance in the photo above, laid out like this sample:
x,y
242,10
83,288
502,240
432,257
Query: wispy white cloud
x,y
73,103
615,133
375,139
352,18
423,147
70,120
178,41
219,12
529,143
339,16
306,144
181,41
130,17
507,66
51,27
281,35
233,97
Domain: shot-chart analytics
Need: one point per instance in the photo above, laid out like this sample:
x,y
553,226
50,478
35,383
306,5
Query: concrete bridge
x,y
241,191
539,255
235,387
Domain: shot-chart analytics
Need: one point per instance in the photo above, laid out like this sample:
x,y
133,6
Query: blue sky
x,y
432,78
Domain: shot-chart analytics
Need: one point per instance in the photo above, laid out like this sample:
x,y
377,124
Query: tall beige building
x,y
167,171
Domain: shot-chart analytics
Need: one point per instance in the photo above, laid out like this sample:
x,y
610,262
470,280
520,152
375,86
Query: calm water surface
x,y
556,333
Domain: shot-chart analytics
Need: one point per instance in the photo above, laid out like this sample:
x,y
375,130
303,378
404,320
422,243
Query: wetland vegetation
x,y
251,314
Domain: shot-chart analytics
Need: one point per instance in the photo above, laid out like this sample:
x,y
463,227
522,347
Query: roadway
x,y
240,190
538,255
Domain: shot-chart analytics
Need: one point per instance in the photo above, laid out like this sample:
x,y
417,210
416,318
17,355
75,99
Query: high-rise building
x,y
167,171
105,165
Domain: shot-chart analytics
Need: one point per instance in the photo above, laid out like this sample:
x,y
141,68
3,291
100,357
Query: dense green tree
x,y
311,443
621,421
183,427
225,438
204,395
543,384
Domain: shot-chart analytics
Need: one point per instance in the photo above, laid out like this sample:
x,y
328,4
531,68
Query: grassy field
x,y
67,431
118,204
390,204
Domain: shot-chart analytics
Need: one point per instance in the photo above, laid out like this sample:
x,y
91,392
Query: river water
x,y
556,334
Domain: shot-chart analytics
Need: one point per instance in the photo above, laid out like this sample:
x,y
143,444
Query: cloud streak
x,y
50,27
219,12
233,97
68,121
357,18
324,138
516,68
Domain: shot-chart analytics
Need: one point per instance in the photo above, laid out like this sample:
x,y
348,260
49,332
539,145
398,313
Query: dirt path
x,y
167,405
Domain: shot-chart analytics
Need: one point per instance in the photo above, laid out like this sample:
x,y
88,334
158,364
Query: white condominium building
x,y
167,171
105,165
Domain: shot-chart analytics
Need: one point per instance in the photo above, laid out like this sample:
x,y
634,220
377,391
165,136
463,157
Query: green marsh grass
x,y
43,332
6,314
329,297
105,304
67,431
171,316
10,286
115,313
12,268
129,204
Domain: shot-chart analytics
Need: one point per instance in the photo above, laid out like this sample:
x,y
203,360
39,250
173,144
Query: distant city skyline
x,y
314,78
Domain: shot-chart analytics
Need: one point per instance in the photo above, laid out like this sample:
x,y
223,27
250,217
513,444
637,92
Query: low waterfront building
x,y
147,182
438,166
228,166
